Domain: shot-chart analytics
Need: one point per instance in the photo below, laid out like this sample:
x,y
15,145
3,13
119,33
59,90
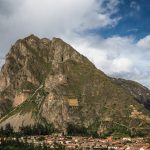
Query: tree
x,y
1,131
8,130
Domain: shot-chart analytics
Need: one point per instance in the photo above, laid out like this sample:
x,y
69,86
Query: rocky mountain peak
x,y
56,49
31,59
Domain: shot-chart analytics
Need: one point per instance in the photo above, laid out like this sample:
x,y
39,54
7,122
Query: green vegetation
x,y
37,129
111,129
28,86
17,145
75,130
7,132
32,104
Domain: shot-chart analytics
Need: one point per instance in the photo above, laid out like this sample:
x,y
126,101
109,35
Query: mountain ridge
x,y
48,81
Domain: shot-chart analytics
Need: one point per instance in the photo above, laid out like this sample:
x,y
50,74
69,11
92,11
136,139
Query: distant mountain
x,y
47,81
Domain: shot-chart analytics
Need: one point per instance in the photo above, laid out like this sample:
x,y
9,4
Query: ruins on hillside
x,y
73,102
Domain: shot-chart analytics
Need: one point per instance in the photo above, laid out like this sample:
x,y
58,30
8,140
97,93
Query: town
x,y
87,143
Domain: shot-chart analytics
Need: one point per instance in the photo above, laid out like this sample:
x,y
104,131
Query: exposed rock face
x,y
20,98
19,120
64,87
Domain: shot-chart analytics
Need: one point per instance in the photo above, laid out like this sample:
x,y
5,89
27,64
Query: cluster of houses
x,y
89,143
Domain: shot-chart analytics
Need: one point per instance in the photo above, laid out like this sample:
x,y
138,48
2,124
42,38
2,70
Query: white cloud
x,y
53,18
121,65
145,42
68,19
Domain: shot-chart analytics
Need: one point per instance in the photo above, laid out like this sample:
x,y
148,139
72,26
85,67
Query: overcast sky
x,y
113,34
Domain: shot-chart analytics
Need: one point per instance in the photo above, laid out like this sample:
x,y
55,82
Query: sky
x,y
113,34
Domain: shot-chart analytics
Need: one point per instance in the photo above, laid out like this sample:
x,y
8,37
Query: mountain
x,y
49,82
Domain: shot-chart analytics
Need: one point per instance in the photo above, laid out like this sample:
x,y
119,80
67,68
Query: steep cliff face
x,y
48,81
